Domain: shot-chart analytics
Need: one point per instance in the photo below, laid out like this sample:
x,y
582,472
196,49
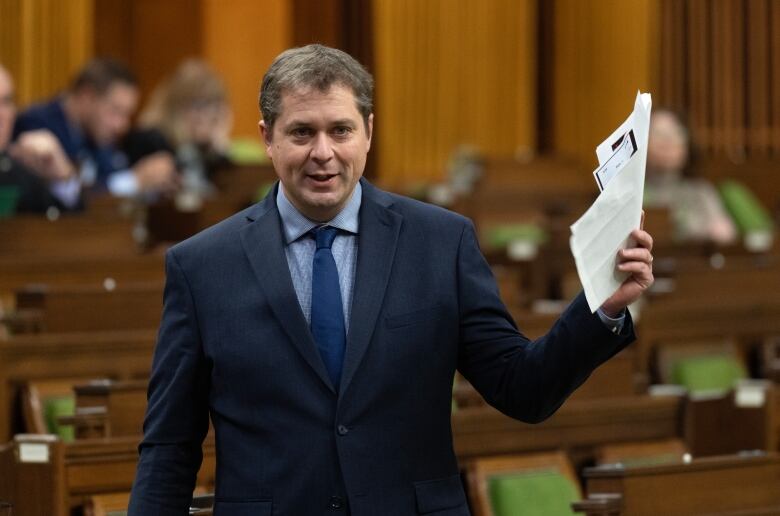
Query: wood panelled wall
x,y
239,38
449,73
501,75
42,42
603,52
150,36
720,65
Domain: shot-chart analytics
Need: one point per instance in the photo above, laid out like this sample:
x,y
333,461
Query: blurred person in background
x,y
695,207
189,116
27,191
84,123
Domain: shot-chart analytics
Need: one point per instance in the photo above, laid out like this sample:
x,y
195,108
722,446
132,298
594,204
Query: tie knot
x,y
324,236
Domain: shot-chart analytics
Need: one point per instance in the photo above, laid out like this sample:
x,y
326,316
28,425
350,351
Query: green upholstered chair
x,y
500,236
708,372
9,195
531,493
523,485
750,216
55,407
45,401
247,151
746,210
263,190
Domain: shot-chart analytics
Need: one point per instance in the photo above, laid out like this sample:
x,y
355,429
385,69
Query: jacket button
x,y
342,430
336,502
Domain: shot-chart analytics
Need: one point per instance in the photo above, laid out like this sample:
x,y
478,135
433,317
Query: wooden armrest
x,y
88,422
600,505
6,508
771,359
24,320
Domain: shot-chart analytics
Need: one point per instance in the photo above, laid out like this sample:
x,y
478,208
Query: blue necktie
x,y
327,313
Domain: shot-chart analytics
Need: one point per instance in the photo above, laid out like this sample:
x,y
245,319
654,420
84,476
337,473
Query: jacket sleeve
x,y
527,380
177,413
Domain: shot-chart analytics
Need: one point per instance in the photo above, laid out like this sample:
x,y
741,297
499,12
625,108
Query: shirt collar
x,y
295,224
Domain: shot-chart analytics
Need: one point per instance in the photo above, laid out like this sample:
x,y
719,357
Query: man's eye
x,y
301,132
342,131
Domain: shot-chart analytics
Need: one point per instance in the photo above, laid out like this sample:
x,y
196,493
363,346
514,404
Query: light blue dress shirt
x,y
299,249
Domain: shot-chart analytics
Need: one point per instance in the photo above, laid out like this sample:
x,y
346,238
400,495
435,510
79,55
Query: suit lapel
x,y
262,240
379,229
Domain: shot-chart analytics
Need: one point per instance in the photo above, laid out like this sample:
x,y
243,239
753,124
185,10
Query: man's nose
x,y
321,150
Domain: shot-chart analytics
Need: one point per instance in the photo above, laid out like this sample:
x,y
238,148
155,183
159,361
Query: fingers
x,y
642,221
642,239
635,254
641,272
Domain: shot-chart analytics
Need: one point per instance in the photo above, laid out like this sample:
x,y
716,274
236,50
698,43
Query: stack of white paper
x,y
604,229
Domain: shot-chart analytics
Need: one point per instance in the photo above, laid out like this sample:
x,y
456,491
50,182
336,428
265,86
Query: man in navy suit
x,y
316,413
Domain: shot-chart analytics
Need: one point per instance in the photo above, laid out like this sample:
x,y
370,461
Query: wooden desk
x,y
124,403
19,272
70,235
112,354
584,424
68,473
73,308
725,485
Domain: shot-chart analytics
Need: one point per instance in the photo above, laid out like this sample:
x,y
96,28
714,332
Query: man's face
x,y
107,116
318,146
7,108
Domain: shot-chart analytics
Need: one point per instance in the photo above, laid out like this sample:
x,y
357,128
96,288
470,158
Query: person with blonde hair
x,y
188,114
694,204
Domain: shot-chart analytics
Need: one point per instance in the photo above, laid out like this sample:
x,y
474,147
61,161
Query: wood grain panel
x,y
43,42
450,74
604,52
240,40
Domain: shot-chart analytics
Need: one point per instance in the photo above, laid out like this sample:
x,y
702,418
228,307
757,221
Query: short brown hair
x,y
102,73
314,66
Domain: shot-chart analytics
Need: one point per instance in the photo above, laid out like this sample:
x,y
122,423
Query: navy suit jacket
x,y
234,344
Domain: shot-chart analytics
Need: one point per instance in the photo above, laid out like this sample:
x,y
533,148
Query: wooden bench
x,y
116,407
578,427
19,272
69,235
743,317
725,485
91,307
112,354
40,474
240,183
743,419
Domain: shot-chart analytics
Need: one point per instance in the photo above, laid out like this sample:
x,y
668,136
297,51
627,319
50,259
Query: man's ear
x,y
370,130
265,134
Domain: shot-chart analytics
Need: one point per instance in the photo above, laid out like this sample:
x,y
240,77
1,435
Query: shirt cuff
x,y
68,191
123,183
615,325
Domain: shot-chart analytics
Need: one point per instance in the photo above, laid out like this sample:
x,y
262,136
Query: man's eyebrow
x,y
304,123
296,123
344,121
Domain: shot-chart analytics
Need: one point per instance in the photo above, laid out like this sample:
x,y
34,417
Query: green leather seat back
x,y
708,373
502,235
533,493
746,210
9,195
57,406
